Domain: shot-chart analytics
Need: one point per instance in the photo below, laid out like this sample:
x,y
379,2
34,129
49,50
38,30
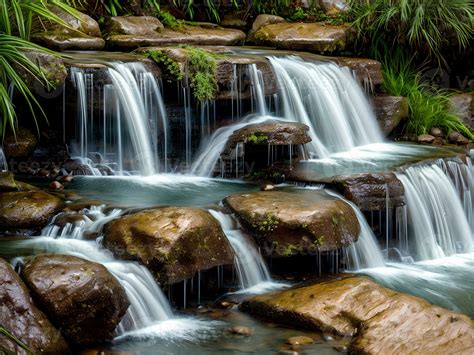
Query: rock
x,y
80,297
309,37
436,132
20,317
463,105
233,21
21,145
30,209
300,340
369,190
457,138
83,33
7,181
52,66
390,111
368,71
56,185
241,330
381,321
187,34
133,25
425,139
173,242
271,132
264,20
298,221
334,7
267,187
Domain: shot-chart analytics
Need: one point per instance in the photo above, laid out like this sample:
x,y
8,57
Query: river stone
x,y
271,132
288,222
20,316
173,242
309,37
369,190
457,138
425,139
199,34
390,111
7,181
29,209
264,20
81,297
21,145
381,321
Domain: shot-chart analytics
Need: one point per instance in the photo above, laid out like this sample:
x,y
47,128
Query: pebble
x,y
55,185
267,187
300,340
241,330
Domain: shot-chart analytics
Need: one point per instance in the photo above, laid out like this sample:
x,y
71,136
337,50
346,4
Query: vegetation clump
x,y
202,70
257,138
170,66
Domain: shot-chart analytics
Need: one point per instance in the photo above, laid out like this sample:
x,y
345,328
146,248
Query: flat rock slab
x,y
173,242
21,318
288,222
81,297
30,209
309,37
381,321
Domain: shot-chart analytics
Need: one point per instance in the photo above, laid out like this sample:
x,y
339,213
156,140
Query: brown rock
x,y
390,111
436,132
27,209
381,320
369,190
56,185
425,139
173,242
463,105
21,145
334,7
457,138
20,317
52,66
241,330
81,297
264,20
7,181
287,222
309,37
368,71
300,340
133,25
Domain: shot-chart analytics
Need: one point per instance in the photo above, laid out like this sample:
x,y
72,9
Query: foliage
x,y
188,7
429,107
422,25
257,138
202,68
171,67
14,339
169,20
113,7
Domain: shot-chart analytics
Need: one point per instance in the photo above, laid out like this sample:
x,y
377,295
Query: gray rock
x,y
264,20
390,111
425,139
457,138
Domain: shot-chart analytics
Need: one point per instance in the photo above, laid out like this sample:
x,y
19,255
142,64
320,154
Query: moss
x,y
269,223
171,67
202,67
257,138
319,241
289,250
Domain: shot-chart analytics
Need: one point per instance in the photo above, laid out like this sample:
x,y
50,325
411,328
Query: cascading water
x,y
253,274
437,222
132,117
3,161
330,101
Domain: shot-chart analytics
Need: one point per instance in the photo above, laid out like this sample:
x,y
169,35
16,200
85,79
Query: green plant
x,y
428,107
171,67
257,138
202,68
423,25
188,7
269,223
169,20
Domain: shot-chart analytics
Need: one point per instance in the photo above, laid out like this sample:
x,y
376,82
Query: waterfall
x,y
365,253
330,101
258,90
3,161
252,272
124,132
148,304
436,218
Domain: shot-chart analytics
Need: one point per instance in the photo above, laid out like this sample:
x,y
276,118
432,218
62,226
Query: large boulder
x,y
22,319
288,222
381,321
28,209
309,37
368,71
390,111
19,145
173,242
7,182
52,66
264,20
132,33
369,191
80,297
463,105
82,33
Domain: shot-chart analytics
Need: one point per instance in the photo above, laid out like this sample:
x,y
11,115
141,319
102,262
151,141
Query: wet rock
x,y
300,340
28,209
20,317
52,66
425,139
21,145
436,132
334,7
83,33
80,297
463,105
7,181
390,111
457,138
289,222
368,71
267,187
200,34
381,321
271,132
241,330
369,190
310,37
233,21
173,242
264,20
133,25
